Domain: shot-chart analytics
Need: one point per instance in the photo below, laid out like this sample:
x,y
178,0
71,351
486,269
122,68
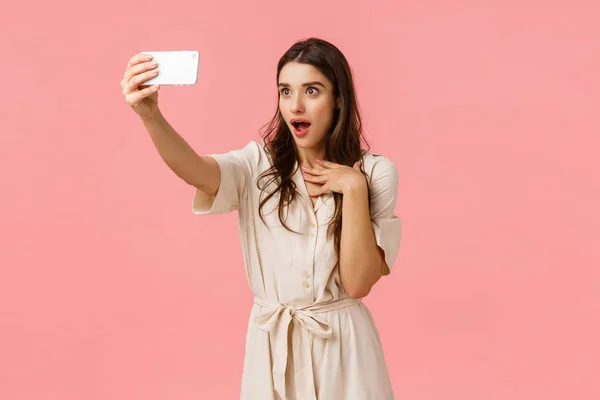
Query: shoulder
x,y
378,167
251,154
253,148
383,181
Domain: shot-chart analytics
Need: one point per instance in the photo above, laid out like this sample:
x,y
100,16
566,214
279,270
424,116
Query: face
x,y
306,94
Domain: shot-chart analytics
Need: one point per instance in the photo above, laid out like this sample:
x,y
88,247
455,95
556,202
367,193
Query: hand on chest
x,y
331,177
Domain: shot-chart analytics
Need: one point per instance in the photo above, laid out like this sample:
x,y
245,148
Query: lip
x,y
293,120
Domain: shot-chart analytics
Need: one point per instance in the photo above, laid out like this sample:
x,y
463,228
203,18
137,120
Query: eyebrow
x,y
314,83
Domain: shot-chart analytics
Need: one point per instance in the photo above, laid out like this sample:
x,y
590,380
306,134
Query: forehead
x,y
295,73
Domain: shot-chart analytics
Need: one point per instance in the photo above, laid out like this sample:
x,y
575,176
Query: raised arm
x,y
200,171
203,172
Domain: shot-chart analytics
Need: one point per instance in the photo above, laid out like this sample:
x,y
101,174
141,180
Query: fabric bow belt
x,y
276,318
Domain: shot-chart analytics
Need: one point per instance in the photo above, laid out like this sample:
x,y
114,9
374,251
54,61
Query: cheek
x,y
283,113
325,118
323,112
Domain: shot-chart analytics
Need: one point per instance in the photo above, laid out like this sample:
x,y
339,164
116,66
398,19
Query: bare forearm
x,y
360,259
180,156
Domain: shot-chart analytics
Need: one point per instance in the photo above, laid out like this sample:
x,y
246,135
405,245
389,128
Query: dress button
x,y
306,285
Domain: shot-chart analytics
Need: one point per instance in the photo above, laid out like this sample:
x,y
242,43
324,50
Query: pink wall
x,y
110,288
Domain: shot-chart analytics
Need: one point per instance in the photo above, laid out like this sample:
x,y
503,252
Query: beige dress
x,y
306,338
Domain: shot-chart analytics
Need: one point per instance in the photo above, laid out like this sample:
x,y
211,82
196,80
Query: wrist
x,y
152,117
356,188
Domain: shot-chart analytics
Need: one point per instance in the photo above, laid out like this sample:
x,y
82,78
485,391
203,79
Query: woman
x,y
309,335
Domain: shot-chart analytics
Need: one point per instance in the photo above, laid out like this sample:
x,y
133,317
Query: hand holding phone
x,y
147,70
143,100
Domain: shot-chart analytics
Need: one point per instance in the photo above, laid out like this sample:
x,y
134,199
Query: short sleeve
x,y
237,168
386,225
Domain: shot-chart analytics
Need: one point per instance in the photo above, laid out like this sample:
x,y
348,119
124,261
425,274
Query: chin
x,y
308,143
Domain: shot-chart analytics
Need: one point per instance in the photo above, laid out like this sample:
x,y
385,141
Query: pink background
x,y
110,288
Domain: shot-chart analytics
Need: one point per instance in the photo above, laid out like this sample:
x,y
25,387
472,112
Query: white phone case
x,y
177,68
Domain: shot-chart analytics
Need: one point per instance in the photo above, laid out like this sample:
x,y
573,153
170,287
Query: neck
x,y
308,157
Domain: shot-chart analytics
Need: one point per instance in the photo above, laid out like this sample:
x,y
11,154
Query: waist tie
x,y
276,318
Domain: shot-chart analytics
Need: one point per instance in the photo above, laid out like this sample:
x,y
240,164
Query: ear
x,y
338,104
357,165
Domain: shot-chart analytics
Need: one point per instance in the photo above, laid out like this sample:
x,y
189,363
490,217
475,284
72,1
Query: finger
x,y
138,69
316,192
145,70
135,98
138,58
133,84
315,179
314,171
328,164
322,190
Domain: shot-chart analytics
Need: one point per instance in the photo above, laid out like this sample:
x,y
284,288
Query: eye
x,y
283,91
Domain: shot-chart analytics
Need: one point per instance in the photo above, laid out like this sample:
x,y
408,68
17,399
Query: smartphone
x,y
176,68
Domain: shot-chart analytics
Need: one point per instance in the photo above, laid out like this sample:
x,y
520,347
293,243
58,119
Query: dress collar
x,y
324,199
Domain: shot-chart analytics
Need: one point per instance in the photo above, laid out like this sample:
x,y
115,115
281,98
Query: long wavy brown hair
x,y
343,141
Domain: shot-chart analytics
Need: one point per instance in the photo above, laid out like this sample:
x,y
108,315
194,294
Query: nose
x,y
296,104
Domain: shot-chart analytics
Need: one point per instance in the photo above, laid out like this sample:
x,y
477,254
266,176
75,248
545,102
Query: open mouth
x,y
301,128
